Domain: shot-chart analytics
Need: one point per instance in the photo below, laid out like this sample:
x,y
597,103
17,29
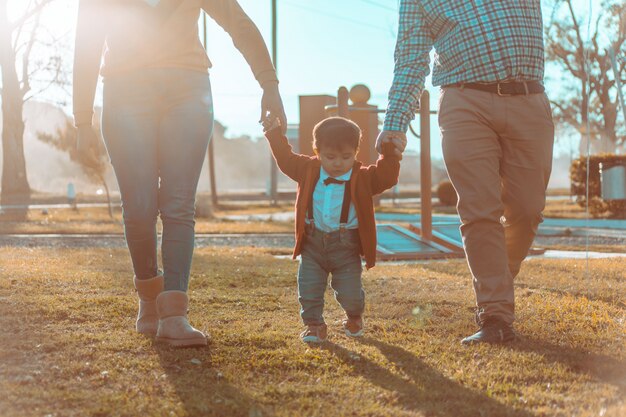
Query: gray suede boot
x,y
174,329
147,317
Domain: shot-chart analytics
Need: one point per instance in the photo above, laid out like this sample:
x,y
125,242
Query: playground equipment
x,y
394,242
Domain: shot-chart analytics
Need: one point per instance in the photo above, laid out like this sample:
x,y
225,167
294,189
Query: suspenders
x,y
345,207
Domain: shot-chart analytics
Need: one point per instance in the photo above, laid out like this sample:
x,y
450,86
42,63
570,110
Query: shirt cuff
x,y
83,118
397,121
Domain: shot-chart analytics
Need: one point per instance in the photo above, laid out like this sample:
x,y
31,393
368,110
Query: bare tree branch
x,y
590,101
30,13
26,56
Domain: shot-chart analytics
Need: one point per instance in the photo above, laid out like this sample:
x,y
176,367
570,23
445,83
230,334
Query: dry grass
x,y
67,346
97,220
562,208
590,248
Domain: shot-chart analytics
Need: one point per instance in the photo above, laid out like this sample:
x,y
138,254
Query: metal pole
x,y
425,175
273,168
210,152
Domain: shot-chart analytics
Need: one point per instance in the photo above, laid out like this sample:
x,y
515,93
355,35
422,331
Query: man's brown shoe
x,y
491,331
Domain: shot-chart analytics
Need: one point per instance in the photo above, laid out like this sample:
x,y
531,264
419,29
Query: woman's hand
x,y
87,146
272,105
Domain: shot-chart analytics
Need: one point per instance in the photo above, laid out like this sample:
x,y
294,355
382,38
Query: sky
x,y
322,45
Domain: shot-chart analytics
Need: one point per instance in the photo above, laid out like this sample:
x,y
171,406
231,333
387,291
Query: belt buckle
x,y
500,93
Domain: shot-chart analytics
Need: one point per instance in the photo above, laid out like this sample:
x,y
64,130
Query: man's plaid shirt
x,y
474,41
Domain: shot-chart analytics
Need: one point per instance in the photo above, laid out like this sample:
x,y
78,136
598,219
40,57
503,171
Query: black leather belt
x,y
505,88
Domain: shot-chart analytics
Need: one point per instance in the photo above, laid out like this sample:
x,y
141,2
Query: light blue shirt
x,y
327,203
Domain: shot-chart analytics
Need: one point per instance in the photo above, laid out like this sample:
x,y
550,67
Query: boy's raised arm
x,y
290,163
385,173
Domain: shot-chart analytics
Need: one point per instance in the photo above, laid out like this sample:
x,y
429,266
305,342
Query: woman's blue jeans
x,y
156,125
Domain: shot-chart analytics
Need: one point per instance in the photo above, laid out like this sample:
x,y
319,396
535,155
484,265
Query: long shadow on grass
x,y
202,390
421,388
603,368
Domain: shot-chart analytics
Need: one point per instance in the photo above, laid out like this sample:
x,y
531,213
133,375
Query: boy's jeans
x,y
336,253
156,125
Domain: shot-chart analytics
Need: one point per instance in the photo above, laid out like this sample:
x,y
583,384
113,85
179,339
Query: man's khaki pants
x,y
498,153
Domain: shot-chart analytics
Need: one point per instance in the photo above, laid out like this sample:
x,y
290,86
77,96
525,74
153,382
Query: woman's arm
x,y
245,35
248,40
90,36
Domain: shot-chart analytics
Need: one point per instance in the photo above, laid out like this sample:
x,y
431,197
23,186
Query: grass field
x,y
97,219
67,345
559,208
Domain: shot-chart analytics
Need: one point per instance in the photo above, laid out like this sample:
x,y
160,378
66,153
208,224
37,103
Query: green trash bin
x,y
613,180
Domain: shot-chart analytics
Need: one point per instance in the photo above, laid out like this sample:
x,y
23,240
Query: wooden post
x,y
425,169
366,116
312,111
342,102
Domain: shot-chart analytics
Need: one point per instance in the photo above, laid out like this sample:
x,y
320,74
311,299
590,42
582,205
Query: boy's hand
x,y
397,138
389,149
270,124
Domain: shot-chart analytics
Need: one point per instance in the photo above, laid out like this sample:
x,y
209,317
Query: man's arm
x,y
412,65
90,36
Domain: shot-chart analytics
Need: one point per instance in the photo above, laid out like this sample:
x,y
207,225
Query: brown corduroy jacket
x,y
365,182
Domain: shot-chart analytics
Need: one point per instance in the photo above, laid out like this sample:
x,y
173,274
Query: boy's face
x,y
337,162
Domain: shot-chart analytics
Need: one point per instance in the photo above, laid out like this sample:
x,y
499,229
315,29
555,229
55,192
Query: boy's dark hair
x,y
336,133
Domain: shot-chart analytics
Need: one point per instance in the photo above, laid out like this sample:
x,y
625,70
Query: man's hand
x,y
396,137
272,105
87,146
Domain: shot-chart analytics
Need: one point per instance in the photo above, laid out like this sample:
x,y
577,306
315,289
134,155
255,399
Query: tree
x,y
65,139
588,99
17,39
